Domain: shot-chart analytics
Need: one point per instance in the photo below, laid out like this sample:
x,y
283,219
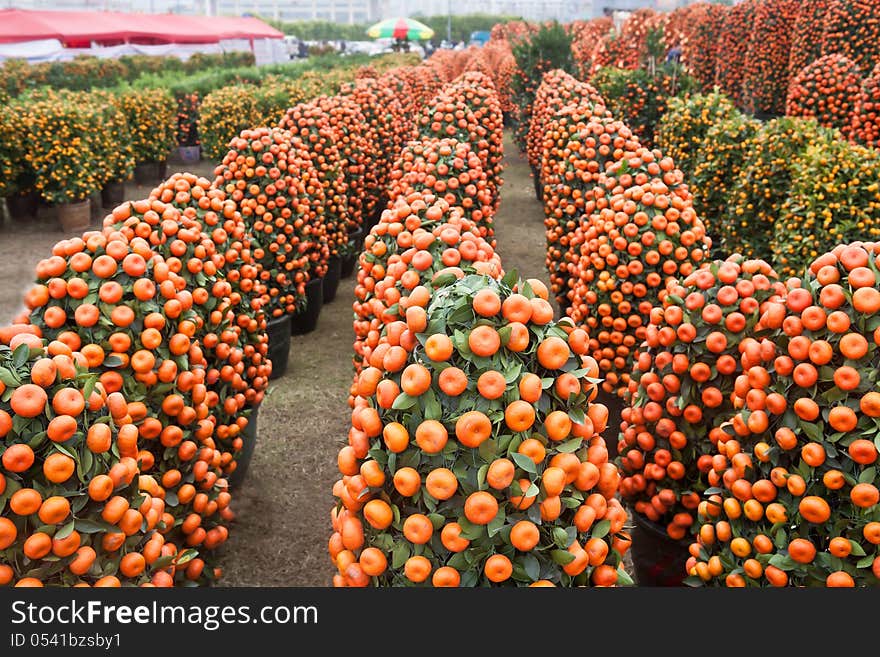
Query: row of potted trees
x,y
474,455
132,382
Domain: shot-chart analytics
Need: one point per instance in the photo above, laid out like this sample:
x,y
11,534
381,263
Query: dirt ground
x,y
283,506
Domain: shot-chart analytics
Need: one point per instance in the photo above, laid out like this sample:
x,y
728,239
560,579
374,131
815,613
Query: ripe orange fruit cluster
x,y
795,472
579,145
865,125
313,135
475,459
77,510
734,40
826,90
467,109
643,231
682,388
281,201
137,317
765,66
415,239
233,333
450,170
557,89
383,112
355,140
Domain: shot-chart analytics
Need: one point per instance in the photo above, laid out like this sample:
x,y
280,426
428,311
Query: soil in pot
x,y
278,330
658,560
249,440
306,320
331,278
75,217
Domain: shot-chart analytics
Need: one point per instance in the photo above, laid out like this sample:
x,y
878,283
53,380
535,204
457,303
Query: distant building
x,y
360,11
335,11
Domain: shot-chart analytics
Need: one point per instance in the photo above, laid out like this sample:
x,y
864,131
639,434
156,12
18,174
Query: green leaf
x,y
404,402
112,361
560,537
857,550
601,529
865,562
570,445
20,355
65,531
186,556
623,578
87,526
524,462
812,430
562,557
531,566
9,378
868,475
496,523
481,475
400,554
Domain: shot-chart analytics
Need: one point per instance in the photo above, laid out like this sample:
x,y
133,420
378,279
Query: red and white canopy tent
x,y
47,35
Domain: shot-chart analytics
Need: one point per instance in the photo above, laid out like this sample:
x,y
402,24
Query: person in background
x,y
342,46
303,49
674,54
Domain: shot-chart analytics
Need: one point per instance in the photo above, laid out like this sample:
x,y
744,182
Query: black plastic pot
x,y
356,239
657,559
349,262
331,279
249,439
356,245
278,330
113,194
306,320
539,188
615,406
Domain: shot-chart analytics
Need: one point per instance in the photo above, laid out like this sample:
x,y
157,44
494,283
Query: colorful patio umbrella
x,y
400,28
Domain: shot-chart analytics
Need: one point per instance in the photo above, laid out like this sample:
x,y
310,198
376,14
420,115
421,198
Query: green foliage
x,y
536,53
834,199
717,166
681,132
762,185
85,72
639,97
